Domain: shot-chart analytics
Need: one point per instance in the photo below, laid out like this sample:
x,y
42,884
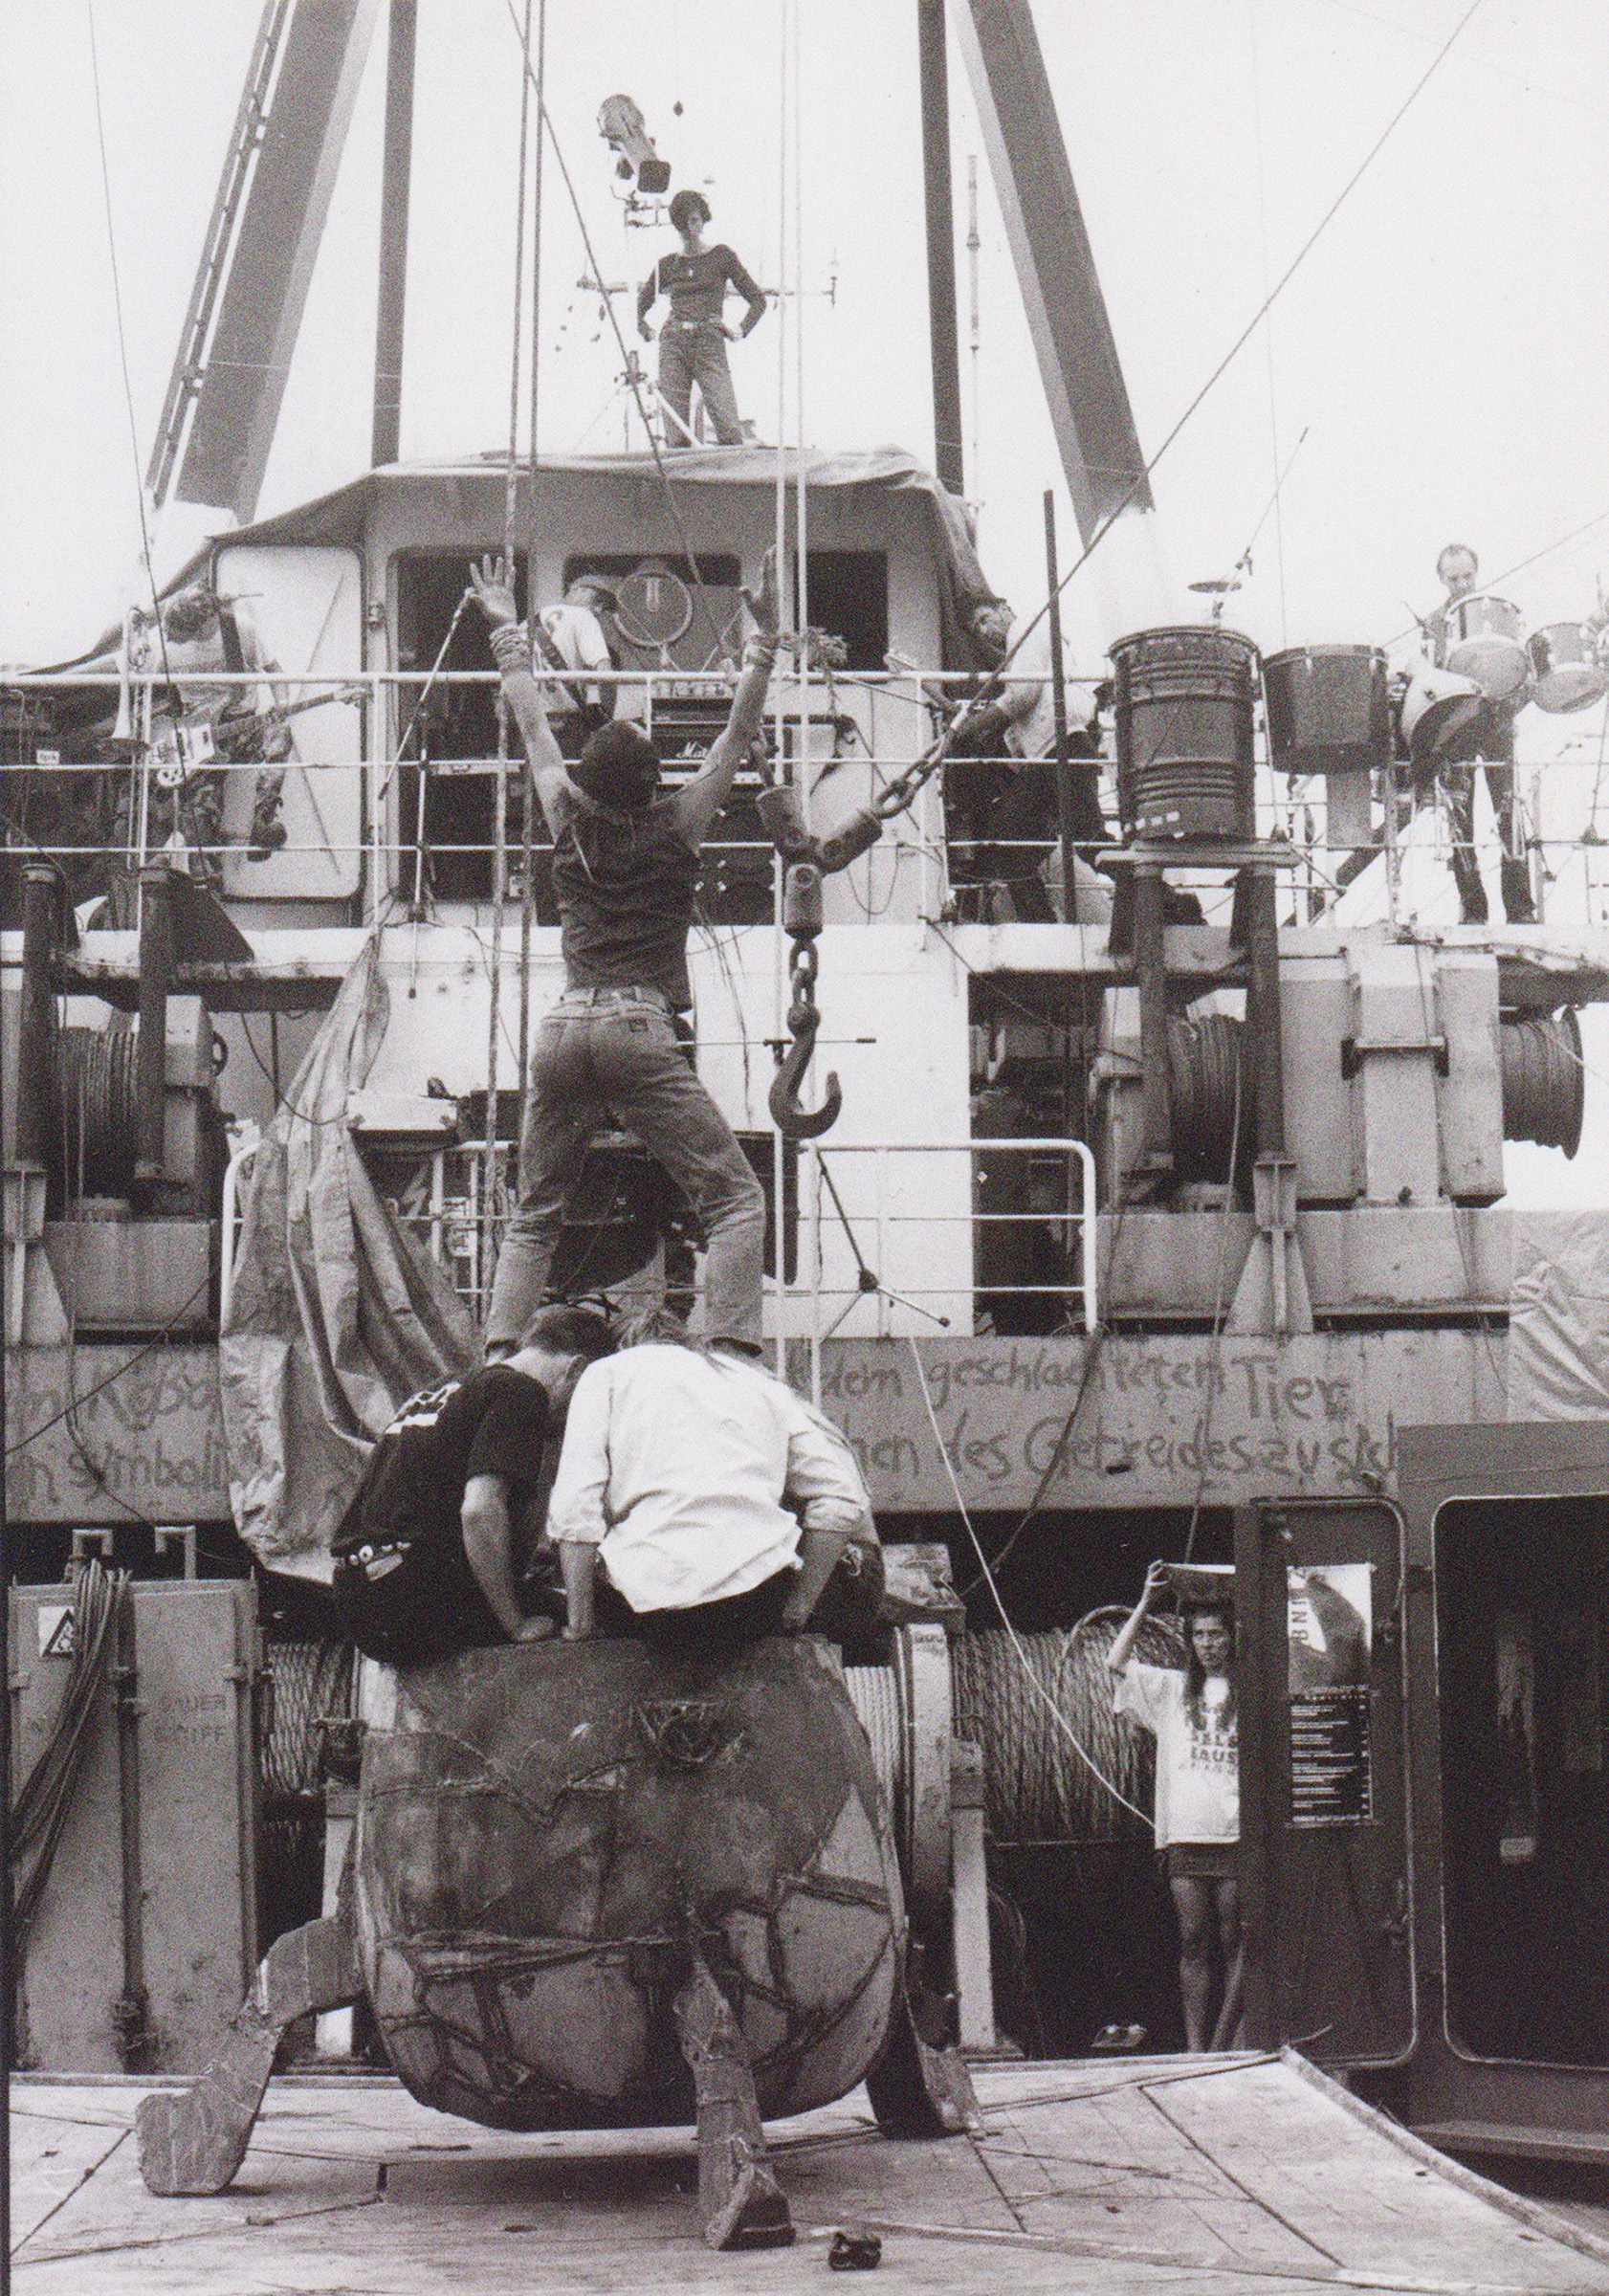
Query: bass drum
x,y
1444,717
1329,709
1566,670
1485,639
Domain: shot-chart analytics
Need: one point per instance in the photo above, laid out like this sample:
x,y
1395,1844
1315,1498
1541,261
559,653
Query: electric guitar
x,y
184,743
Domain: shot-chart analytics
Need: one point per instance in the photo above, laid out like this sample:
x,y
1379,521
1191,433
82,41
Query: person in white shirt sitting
x,y
670,1508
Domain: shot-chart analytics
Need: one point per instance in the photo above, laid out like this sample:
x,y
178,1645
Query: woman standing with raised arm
x,y
1191,1714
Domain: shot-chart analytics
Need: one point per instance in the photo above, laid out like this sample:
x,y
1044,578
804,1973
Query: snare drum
x,y
1565,666
1483,638
1443,716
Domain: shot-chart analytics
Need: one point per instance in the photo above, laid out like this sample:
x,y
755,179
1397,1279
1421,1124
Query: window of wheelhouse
x,y
1522,1591
447,782
848,599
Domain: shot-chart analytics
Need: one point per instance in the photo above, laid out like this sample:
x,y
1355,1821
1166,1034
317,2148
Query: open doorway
x,y
1520,1628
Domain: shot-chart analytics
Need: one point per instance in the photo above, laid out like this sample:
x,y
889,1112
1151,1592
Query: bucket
x,y
1183,708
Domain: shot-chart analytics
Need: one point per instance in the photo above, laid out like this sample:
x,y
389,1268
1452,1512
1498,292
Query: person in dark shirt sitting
x,y
692,341
424,1561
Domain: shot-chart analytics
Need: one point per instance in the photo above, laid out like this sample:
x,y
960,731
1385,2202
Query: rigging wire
x,y
499,800
1268,332
116,305
527,807
1250,328
1031,1677
628,358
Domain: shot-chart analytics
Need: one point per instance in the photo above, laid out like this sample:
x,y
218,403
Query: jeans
x,y
847,1612
697,354
605,1054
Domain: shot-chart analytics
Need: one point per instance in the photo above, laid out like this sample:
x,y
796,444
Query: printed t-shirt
x,y
1198,1765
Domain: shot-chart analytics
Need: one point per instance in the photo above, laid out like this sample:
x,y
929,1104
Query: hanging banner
x,y
1329,1637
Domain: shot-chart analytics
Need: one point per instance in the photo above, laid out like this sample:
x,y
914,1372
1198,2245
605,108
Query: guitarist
x,y
571,637
202,631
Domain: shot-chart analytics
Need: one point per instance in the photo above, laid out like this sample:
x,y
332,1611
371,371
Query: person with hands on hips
x,y
1191,1714
624,872
692,341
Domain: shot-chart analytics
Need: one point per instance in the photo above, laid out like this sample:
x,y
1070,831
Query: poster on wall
x,y
1516,1737
1329,1639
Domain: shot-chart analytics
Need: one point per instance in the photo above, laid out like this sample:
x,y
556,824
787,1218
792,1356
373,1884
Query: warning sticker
x,y
55,1630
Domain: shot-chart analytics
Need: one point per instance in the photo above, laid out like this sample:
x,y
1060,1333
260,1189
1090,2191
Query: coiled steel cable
x,y
1035,1785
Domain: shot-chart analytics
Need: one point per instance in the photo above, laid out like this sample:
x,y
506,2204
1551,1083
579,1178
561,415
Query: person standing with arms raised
x,y
1191,1715
625,869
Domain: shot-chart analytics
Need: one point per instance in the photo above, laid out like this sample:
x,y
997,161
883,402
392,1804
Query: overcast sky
x,y
1442,348
1435,368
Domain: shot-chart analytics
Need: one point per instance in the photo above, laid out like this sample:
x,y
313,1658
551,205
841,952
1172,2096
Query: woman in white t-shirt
x,y
1191,1714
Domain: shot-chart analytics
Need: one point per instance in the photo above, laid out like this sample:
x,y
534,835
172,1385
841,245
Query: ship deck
x,y
1246,2173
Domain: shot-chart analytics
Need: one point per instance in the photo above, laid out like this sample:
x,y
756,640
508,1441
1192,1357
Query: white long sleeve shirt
x,y
675,1465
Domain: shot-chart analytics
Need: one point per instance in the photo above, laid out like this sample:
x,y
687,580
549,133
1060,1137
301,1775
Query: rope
x,y
1028,1673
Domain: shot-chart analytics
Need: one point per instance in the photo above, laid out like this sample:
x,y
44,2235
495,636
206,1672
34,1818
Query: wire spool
x,y
1204,1069
1544,1081
306,1681
1036,1785
96,1132
873,1697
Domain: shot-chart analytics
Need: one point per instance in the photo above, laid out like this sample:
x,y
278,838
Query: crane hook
x,y
793,1122
801,920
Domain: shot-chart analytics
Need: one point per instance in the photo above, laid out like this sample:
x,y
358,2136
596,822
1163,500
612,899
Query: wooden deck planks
x,y
1091,2177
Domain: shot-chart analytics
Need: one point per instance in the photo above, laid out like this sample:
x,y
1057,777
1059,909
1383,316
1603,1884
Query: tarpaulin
x,y
1558,1317
337,1316
341,520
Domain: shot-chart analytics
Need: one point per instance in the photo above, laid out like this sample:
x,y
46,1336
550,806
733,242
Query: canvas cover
x,y
338,1317
1558,1317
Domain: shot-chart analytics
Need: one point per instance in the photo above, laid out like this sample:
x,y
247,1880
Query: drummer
x,y
1459,569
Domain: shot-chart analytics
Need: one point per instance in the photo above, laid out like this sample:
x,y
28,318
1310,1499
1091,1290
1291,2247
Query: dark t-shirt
x,y
625,890
696,284
495,1422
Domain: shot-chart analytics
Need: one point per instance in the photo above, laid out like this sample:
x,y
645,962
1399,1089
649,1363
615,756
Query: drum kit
x,y
1488,668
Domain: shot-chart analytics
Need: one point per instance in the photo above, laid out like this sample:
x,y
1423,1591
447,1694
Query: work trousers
x,y
697,354
409,1604
611,1055
1458,790
847,1612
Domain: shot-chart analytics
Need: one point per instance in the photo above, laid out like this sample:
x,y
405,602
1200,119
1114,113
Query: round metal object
x,y
654,607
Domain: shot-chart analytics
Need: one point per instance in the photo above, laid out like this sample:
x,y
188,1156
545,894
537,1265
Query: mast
x,y
394,232
941,245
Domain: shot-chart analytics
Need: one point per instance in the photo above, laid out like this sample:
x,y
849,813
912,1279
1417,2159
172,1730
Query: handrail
x,y
1086,1287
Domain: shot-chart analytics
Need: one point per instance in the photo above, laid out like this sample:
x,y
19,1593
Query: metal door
x,y
1324,1793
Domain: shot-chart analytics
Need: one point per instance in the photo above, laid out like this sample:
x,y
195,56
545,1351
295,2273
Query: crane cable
x,y
1250,328
499,807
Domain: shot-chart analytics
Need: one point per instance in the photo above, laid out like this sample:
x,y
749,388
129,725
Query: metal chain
x,y
900,794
